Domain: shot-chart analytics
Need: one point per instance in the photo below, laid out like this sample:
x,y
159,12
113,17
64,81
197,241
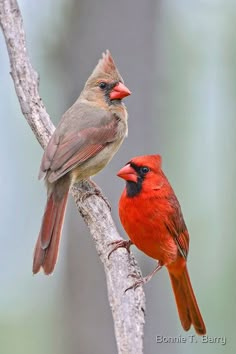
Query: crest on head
x,y
155,161
152,161
158,159
106,69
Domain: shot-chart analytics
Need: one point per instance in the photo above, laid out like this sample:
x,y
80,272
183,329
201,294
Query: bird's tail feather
x,y
186,302
46,249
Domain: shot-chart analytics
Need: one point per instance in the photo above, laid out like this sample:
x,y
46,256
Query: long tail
x,y
186,302
46,248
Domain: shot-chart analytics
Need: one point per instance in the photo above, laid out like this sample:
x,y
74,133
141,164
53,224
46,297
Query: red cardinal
x,y
86,139
151,215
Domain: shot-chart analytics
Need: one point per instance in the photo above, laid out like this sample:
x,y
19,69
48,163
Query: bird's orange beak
x,y
128,174
119,91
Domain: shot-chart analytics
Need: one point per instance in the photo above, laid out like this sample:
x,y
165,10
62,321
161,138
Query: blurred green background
x,y
178,58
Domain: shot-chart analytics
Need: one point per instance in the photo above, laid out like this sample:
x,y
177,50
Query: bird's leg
x,y
145,279
96,191
120,244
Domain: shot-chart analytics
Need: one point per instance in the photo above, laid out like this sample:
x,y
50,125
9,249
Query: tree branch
x,y
127,308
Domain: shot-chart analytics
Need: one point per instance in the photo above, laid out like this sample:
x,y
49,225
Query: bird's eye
x,y
144,170
102,85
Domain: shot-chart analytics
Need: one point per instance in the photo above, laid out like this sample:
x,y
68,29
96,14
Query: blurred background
x,y
178,59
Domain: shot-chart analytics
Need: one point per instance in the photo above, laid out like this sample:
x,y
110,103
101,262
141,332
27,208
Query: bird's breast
x,y
96,163
146,228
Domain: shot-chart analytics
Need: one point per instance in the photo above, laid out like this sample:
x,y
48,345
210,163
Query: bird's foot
x,y
136,284
120,244
144,280
96,191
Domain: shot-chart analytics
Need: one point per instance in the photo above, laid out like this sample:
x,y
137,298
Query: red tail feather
x,y
186,302
46,249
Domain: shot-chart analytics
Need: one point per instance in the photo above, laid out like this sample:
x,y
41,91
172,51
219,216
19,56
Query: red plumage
x,y
151,215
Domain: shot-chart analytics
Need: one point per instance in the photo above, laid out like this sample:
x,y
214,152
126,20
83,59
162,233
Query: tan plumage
x,y
86,139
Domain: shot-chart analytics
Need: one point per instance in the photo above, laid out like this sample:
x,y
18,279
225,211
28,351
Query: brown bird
x,y
86,139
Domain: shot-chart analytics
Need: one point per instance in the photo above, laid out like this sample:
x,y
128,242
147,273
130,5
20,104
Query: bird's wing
x,y
177,227
67,151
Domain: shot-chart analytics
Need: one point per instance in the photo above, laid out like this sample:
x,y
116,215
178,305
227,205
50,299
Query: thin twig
x,y
127,308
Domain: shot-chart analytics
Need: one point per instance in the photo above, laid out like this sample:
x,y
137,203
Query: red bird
x,y
86,139
151,215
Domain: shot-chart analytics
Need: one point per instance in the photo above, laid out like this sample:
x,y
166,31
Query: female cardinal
x,y
86,139
151,215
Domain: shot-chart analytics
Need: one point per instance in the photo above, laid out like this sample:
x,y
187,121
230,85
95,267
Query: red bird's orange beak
x,y
128,174
119,91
